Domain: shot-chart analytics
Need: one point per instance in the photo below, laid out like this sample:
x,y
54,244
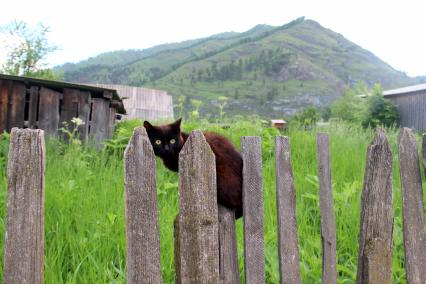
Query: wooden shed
x,y
35,103
144,103
411,104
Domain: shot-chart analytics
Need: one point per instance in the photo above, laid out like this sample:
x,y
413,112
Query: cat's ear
x,y
148,126
176,124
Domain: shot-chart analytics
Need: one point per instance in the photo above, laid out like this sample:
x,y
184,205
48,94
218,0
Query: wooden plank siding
x,y
99,123
144,103
411,108
16,107
48,119
4,102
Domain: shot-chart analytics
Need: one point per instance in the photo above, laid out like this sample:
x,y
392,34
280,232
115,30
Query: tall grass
x,y
84,213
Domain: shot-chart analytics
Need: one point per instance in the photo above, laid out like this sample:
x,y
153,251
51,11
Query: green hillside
x,y
270,71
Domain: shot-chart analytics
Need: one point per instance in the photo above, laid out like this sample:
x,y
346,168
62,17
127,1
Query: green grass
x,y
84,209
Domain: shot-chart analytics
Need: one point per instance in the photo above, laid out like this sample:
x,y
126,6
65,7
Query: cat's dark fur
x,y
229,164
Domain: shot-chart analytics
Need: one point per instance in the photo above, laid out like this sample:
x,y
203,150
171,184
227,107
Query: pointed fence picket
x,y
205,240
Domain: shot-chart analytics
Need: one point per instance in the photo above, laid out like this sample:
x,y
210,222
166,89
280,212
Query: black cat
x,y
167,141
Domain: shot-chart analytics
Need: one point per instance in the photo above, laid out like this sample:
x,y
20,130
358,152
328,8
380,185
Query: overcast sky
x,y
392,30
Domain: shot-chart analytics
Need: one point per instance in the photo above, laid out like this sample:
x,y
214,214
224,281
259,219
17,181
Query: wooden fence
x,y
205,242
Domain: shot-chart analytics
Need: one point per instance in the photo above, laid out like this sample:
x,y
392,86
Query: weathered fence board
x,y
100,120
24,238
16,110
76,103
328,226
254,256
48,118
32,107
412,208
198,218
142,230
228,257
376,227
4,102
288,251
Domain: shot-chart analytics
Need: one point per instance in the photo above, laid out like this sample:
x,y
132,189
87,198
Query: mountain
x,y
270,71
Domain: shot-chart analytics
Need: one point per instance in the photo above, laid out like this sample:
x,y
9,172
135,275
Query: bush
x,y
380,112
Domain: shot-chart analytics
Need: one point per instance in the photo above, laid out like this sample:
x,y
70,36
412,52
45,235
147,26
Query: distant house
x,y
144,103
44,104
411,104
278,123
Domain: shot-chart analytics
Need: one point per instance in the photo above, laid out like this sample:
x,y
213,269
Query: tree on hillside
x,y
25,50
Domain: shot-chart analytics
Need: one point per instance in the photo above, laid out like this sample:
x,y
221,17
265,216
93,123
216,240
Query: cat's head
x,y
165,139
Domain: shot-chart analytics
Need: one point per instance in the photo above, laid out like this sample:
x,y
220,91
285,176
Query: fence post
x,y
198,255
328,226
24,241
412,208
288,251
254,256
142,232
228,257
376,227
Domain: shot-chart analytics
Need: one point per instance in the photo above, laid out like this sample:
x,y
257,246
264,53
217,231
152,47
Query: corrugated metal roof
x,y
404,90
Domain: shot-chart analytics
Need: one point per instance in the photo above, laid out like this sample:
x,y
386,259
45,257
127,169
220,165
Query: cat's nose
x,y
166,147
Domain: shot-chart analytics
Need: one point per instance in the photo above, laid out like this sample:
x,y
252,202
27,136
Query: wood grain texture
x,y
254,255
412,208
4,103
33,107
99,125
142,230
376,227
76,103
228,257
24,238
288,251
16,108
198,221
48,118
328,226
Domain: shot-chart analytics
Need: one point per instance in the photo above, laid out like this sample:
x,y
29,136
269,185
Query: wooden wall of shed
x,y
41,107
12,105
48,115
412,109
144,103
99,125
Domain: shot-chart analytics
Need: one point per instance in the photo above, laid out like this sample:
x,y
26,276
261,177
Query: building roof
x,y
278,121
405,90
96,91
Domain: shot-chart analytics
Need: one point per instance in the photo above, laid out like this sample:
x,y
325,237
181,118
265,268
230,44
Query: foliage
x,y
350,106
4,148
308,116
26,49
222,102
123,131
71,132
381,111
326,113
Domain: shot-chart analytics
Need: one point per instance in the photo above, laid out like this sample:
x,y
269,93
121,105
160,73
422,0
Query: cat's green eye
x,y
158,142
172,141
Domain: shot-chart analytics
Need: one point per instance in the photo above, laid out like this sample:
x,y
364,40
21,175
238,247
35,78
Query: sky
x,y
393,30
